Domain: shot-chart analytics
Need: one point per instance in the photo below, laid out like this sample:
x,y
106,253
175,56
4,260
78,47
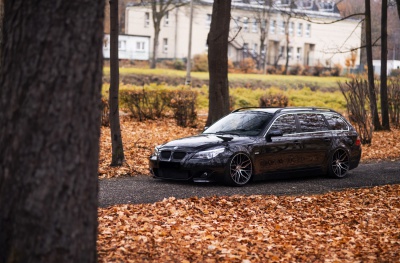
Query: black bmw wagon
x,y
255,143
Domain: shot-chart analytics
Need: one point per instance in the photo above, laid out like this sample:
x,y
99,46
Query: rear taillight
x,y
358,142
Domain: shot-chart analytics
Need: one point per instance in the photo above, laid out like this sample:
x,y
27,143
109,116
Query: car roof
x,y
276,110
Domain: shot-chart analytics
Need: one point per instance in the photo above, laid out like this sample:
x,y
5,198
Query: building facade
x,y
130,47
304,30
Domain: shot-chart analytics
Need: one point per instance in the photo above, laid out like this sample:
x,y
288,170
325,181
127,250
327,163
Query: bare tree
x,y
160,9
217,41
384,87
371,82
118,156
263,15
49,130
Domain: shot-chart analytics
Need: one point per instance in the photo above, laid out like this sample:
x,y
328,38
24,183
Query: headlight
x,y
208,154
156,150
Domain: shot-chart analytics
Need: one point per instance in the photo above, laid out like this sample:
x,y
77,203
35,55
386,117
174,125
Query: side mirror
x,y
274,133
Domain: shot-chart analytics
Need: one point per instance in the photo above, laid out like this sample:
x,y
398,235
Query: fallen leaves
x,y
360,225
139,140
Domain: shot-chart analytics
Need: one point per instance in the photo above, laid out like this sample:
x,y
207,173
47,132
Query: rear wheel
x,y
240,170
339,164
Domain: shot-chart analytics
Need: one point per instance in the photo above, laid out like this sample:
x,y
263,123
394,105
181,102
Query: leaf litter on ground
x,y
357,225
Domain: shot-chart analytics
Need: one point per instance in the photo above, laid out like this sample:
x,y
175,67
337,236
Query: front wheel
x,y
339,164
240,170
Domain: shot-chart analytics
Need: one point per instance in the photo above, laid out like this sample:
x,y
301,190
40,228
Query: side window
x,y
336,123
311,122
286,123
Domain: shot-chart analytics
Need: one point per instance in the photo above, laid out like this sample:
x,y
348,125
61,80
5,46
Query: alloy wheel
x,y
240,169
340,164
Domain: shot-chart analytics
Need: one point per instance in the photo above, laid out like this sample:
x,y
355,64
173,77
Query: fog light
x,y
204,175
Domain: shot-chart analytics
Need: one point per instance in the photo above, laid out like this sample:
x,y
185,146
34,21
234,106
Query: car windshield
x,y
241,123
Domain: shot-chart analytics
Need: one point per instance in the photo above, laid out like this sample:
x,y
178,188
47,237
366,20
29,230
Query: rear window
x,y
336,122
311,122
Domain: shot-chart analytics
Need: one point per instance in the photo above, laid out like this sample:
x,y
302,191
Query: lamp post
x,y
189,56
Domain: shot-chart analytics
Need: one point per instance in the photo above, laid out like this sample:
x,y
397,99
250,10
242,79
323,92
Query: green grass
x,y
281,81
301,90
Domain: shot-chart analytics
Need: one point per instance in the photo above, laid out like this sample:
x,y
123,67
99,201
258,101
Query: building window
x,y
121,44
140,46
273,26
166,19
237,21
282,2
291,28
264,24
308,30
282,27
290,52
282,52
326,6
300,30
165,45
305,4
208,20
255,48
254,27
298,54
246,24
146,19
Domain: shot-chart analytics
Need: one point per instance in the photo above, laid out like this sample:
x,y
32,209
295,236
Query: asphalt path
x,y
145,189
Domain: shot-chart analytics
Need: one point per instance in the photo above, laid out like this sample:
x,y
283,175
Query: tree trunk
x,y
287,54
116,138
49,130
384,91
153,63
218,61
371,81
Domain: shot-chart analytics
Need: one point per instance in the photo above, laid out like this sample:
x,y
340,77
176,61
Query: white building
x,y
391,65
132,47
310,43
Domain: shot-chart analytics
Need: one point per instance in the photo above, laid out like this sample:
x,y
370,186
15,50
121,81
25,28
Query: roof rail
x,y
306,108
248,108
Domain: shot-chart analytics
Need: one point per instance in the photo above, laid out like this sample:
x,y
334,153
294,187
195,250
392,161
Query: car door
x,y
279,153
316,139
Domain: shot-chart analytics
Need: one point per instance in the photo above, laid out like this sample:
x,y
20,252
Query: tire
x,y
339,164
240,170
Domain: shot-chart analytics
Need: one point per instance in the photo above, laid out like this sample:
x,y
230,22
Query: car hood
x,y
204,141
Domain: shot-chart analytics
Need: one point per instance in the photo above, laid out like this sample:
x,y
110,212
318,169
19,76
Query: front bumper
x,y
187,169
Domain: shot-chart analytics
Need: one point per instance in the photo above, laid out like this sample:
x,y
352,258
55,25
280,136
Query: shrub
x,y
145,103
153,102
105,115
247,65
200,63
179,64
394,101
395,73
183,103
296,70
357,97
336,70
274,100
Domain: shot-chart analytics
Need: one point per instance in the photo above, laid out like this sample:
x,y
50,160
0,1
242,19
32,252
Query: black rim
x,y
340,163
240,169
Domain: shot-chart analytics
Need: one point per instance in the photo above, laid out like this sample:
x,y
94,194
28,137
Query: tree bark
x,y
371,80
50,112
384,91
218,61
116,138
